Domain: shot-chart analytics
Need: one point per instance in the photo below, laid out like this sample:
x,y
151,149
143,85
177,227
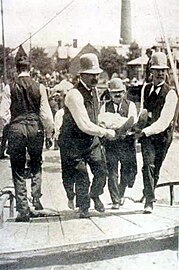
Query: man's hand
x,y
139,135
110,134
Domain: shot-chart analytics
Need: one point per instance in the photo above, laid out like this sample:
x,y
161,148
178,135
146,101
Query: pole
x,y
172,65
30,47
3,43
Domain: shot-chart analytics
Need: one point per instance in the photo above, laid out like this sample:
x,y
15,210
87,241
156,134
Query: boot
x,y
23,217
98,205
37,204
83,213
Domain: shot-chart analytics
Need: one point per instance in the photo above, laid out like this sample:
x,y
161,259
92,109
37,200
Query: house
x,y
137,66
74,65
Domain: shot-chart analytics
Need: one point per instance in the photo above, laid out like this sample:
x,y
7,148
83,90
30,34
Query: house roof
x,y
86,49
142,60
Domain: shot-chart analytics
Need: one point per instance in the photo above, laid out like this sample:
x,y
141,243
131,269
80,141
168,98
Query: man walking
x,y
79,140
160,101
29,109
122,149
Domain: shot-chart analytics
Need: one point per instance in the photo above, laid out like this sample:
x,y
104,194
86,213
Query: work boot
x,y
121,201
83,213
71,204
148,208
37,204
115,206
23,217
98,205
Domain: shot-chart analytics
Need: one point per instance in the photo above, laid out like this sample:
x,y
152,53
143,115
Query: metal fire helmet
x,y
159,61
89,64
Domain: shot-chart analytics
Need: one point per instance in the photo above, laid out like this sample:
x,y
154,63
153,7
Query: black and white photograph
x,y
89,135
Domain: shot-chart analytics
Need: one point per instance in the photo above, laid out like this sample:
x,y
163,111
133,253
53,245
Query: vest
x,y
69,128
25,98
124,109
154,105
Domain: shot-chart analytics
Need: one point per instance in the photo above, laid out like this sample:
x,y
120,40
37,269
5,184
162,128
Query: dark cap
x,y
21,57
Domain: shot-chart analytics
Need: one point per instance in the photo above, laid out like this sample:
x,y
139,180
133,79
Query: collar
x,y
24,74
84,84
156,87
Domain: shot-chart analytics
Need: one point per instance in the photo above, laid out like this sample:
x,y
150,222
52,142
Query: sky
x,y
94,21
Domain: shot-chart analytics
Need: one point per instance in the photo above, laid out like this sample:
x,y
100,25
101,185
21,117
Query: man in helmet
x,y
160,101
79,140
122,148
30,113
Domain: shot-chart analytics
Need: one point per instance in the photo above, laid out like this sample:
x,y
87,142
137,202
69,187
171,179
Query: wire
x,y
42,27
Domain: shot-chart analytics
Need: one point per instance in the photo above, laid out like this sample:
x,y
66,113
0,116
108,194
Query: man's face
x,y
159,75
90,80
116,96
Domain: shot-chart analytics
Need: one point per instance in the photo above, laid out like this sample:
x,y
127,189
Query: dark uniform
x,y
154,147
25,133
122,150
77,149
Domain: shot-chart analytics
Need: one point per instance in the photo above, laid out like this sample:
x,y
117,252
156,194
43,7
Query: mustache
x,y
94,81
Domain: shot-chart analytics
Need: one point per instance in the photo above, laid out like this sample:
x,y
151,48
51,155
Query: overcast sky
x,y
94,21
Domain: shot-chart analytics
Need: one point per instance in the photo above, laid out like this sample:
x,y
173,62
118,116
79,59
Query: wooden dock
x,y
60,230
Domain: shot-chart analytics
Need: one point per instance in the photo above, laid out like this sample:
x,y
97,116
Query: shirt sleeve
x,y
75,103
132,111
5,113
46,113
58,121
166,116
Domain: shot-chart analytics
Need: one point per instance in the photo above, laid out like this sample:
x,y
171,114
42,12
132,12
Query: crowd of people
x,y
88,131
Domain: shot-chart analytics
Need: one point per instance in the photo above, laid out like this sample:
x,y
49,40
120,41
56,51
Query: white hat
x,y
89,64
116,84
159,61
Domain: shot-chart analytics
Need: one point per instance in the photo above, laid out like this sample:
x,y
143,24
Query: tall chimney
x,y
75,43
126,32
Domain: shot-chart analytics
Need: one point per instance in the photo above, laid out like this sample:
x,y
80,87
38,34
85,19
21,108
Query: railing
x,y
171,187
4,197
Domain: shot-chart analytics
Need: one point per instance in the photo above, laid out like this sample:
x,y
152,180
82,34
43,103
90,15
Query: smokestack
x,y
75,43
126,32
59,43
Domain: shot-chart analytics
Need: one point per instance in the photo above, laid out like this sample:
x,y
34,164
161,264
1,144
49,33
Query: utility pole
x,y
30,47
3,43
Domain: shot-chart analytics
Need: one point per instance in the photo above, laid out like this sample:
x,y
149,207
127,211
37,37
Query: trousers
x,y
75,155
125,153
154,150
26,135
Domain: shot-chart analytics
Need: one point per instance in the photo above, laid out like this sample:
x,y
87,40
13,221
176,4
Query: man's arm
x,y
75,103
46,113
132,111
166,116
5,104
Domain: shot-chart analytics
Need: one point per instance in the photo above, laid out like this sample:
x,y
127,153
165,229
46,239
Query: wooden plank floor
x,y
63,229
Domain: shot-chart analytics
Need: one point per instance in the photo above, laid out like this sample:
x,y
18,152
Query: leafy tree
x,y
110,61
40,60
10,62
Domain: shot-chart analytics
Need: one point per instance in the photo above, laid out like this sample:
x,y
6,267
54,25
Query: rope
x,y
42,27
171,62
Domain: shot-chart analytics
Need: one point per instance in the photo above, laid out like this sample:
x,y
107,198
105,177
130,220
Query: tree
x,y
10,62
134,51
110,61
40,60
